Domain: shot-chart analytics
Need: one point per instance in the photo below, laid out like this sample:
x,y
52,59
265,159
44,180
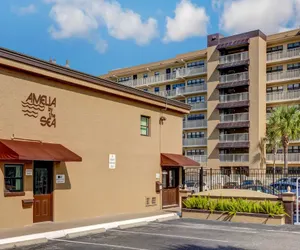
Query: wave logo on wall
x,y
37,105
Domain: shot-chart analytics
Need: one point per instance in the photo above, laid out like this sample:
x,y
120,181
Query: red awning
x,y
176,160
35,151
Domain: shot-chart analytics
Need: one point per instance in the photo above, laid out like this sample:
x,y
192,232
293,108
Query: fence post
x,y
183,178
201,179
211,178
273,180
240,179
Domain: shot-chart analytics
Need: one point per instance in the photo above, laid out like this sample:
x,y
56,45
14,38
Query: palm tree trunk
x,y
285,143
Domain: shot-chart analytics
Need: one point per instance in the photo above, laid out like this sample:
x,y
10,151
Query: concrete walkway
x,y
60,229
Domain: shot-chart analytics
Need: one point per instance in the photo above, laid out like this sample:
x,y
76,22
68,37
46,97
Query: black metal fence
x,y
269,181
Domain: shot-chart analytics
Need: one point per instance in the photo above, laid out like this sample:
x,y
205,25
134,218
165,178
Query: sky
x,y
97,36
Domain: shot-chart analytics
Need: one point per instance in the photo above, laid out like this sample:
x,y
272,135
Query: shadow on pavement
x,y
194,247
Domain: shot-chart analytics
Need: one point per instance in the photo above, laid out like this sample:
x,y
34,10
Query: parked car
x,y
231,185
251,182
283,187
194,186
262,189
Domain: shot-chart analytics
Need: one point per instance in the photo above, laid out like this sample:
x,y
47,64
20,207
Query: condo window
x,y
294,86
195,152
294,170
196,64
274,69
196,99
294,149
175,69
270,109
124,79
145,125
145,75
196,81
13,177
195,117
278,170
293,45
274,89
276,48
178,85
195,135
156,89
156,73
293,66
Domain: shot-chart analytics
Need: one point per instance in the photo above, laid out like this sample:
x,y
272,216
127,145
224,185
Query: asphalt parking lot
x,y
185,234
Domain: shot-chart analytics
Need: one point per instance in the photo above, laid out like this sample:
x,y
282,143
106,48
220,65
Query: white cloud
x,y
25,10
85,19
190,20
270,16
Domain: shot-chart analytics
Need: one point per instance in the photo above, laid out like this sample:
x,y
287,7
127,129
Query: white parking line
x,y
244,230
168,235
98,244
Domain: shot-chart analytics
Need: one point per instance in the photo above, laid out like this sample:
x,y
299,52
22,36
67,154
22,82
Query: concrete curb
x,y
85,233
24,243
175,217
63,233
131,225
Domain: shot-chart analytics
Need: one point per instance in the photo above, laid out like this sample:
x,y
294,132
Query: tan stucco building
x,y
75,146
232,86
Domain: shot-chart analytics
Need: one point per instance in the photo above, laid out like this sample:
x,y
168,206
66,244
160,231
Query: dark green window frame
x,y
13,179
145,125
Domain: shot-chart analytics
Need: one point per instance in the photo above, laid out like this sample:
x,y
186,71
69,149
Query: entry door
x,y
168,72
42,190
170,191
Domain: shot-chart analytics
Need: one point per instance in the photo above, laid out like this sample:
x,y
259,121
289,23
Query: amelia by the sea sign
x,y
40,107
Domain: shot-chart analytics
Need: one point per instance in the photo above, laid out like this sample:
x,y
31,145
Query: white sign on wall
x,y
157,175
112,161
28,172
60,178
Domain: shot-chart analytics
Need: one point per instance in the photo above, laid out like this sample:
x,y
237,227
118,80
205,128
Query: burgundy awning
x,y
176,160
35,151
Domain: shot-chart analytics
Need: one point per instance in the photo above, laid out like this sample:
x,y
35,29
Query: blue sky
x,y
101,35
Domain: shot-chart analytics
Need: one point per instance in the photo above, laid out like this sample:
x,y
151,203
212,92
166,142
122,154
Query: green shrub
x,y
233,206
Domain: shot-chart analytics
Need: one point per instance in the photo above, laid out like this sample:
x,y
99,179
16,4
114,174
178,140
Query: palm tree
x,y
284,123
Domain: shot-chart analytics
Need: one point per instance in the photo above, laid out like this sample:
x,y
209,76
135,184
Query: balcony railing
x,y
198,158
283,96
234,57
193,71
150,80
292,157
282,55
234,97
199,105
193,89
234,157
239,117
194,142
242,137
283,75
234,77
195,124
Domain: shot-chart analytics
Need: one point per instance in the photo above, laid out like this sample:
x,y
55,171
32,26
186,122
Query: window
x,y
145,75
293,45
274,69
294,149
196,99
195,117
156,73
175,69
145,125
195,81
294,170
178,85
294,86
278,170
195,152
13,178
276,48
196,64
293,66
195,135
274,89
145,90
156,89
124,79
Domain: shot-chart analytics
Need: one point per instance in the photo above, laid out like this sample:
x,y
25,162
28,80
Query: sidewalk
x,y
61,229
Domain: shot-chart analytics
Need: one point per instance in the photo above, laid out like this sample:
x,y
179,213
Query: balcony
x,y
194,71
199,106
283,55
292,157
234,77
234,97
242,137
194,142
182,91
150,80
239,117
198,158
283,75
194,124
237,57
234,157
283,96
